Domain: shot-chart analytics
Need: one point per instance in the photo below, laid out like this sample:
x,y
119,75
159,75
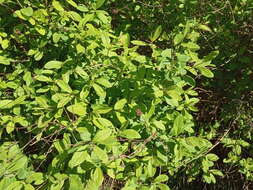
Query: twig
x,y
147,5
211,148
138,150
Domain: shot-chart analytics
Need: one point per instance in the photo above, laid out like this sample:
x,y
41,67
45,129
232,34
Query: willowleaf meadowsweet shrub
x,y
79,104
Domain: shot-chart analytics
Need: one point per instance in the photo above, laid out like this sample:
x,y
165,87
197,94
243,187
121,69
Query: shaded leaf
x,y
156,34
99,3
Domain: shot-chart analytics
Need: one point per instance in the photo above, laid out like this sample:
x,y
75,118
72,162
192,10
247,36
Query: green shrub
x,y
81,103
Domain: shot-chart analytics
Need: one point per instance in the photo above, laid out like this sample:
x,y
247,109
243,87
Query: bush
x,y
83,101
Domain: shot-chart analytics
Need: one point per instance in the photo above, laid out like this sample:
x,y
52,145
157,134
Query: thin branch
x,y
138,150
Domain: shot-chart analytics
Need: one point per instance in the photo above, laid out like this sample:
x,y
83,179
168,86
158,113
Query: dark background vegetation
x,y
229,94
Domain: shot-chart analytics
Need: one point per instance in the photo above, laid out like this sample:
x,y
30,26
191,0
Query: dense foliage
x,y
122,94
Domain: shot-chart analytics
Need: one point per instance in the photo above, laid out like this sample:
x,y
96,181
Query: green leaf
x,y
100,154
102,135
21,120
99,90
192,46
151,111
28,187
36,177
163,187
5,44
56,37
53,65
105,39
156,34
17,185
10,127
101,108
31,52
96,180
32,21
178,126
167,53
189,80
209,178
75,182
150,169
182,58
102,16
98,176
175,94
216,172
75,16
19,164
84,134
5,104
204,27
212,157
64,101
81,73
38,56
57,6
28,78
42,101
159,125
27,11
82,8
198,142
40,30
102,123
72,3
80,48
130,134
120,104
99,3
64,86
161,178
206,72
105,122
4,60
124,39
138,43
211,56
77,158
120,117
78,109
19,100
178,38
104,82
43,78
